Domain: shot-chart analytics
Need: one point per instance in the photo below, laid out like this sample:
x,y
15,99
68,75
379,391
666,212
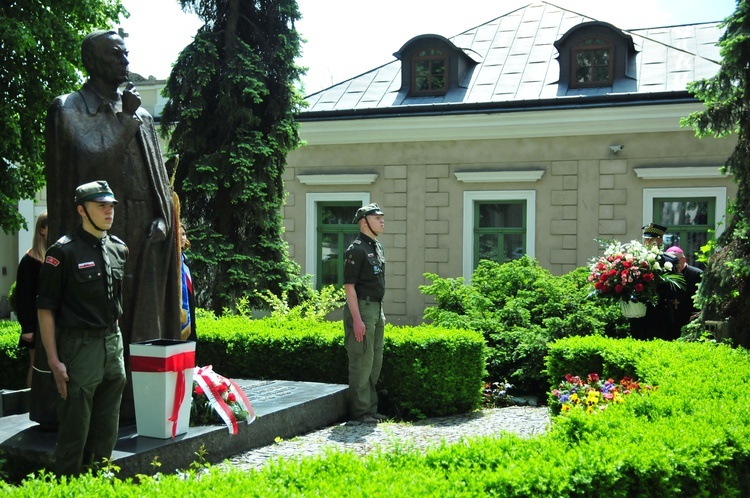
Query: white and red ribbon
x,y
209,382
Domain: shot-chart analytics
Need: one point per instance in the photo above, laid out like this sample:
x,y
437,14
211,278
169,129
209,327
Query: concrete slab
x,y
283,409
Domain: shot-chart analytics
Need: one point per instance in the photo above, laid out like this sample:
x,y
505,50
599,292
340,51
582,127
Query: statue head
x,y
105,57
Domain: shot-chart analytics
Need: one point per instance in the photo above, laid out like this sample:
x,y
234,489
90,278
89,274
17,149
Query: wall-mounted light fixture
x,y
616,149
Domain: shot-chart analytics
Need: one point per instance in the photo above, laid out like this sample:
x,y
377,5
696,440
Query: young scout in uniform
x,y
364,282
79,302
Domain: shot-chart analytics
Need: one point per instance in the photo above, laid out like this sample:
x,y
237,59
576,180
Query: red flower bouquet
x,y
631,273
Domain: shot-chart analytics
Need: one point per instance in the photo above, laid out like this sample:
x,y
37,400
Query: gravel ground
x,y
363,438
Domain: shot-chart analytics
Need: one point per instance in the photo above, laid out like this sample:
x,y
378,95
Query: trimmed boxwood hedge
x,y
427,371
690,437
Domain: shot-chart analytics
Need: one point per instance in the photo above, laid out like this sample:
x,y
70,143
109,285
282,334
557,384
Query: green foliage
x,y
315,308
40,45
432,372
231,114
724,291
12,297
427,371
519,307
14,361
691,437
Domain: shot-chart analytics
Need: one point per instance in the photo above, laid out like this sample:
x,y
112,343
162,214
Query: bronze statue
x,y
102,133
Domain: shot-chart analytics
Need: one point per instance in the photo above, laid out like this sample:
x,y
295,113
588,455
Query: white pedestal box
x,y
162,386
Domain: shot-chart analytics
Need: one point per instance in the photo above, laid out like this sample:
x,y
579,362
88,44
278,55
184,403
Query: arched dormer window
x,y
595,55
432,66
429,72
592,63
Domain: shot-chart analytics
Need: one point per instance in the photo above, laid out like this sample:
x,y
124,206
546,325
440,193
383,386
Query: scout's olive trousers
x,y
365,358
89,417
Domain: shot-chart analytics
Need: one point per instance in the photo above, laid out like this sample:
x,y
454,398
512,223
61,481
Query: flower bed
x,y
594,394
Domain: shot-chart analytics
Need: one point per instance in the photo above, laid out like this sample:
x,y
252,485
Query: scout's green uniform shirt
x,y
365,267
79,285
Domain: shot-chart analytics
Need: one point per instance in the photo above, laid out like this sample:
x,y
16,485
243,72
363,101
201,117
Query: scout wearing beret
x,y
79,303
364,320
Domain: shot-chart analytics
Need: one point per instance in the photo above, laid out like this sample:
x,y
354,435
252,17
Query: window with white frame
x,y
691,215
498,225
328,232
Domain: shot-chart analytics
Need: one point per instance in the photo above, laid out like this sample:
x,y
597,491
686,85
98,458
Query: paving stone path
x,y
363,438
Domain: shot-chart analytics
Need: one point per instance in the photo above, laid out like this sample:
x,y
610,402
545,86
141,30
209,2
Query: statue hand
x,y
157,232
131,100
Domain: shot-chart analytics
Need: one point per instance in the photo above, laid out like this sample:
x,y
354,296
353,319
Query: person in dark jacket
x,y
27,282
682,302
659,320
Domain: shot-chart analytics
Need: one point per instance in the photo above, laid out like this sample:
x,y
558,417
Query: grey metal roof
x,y
517,62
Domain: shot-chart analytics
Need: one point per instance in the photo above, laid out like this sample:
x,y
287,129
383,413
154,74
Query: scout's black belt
x,y
89,333
371,299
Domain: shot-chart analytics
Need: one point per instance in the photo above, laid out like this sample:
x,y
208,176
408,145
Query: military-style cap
x,y
98,191
366,211
654,230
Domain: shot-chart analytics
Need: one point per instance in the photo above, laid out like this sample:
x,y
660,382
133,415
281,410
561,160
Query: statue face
x,y
111,60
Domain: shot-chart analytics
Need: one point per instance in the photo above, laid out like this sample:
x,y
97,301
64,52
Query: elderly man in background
x,y
682,302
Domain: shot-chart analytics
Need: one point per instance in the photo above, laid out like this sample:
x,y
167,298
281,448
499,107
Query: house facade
x,y
535,133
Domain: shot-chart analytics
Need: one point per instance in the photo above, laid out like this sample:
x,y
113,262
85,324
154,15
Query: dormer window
x,y
430,72
433,67
596,57
593,63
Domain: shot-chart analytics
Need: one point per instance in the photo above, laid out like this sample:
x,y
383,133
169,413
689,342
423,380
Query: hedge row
x,y
427,371
690,437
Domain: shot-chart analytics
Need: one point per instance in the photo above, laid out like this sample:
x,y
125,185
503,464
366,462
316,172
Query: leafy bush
x,y
315,307
519,307
14,361
12,297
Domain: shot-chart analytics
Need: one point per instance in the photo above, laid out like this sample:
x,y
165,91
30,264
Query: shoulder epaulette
x,y
63,240
354,243
117,239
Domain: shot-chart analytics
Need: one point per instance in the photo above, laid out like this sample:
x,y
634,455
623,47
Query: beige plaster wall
x,y
586,192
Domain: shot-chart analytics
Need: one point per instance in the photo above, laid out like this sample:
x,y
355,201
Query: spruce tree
x,y
231,114
723,294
